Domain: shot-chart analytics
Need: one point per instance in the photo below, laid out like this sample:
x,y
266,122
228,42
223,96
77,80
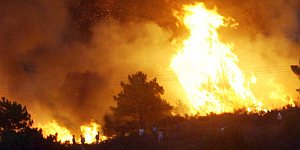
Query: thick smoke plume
x,y
73,81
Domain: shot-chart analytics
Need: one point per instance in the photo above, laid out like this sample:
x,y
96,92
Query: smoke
x,y
34,58
267,43
73,82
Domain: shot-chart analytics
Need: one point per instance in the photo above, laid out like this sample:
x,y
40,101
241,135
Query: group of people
x,y
155,132
82,139
141,132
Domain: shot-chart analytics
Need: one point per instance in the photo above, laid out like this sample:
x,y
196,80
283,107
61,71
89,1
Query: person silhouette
x,y
279,116
97,137
141,131
154,130
160,136
82,139
73,140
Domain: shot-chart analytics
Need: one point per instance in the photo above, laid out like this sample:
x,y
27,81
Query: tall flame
x,y
207,68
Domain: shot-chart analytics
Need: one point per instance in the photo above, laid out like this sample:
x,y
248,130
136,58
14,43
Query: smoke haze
x,y
73,81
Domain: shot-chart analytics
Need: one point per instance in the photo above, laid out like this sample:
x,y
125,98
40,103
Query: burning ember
x,y
208,70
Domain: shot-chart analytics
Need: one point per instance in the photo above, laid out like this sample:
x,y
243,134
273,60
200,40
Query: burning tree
x,y
139,104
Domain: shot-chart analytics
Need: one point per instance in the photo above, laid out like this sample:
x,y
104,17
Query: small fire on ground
x,y
88,131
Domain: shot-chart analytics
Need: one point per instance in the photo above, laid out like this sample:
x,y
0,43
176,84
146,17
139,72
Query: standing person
x,y
82,139
279,116
97,137
154,130
160,136
73,140
141,131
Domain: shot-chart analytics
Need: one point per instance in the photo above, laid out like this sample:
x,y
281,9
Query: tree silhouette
x,y
16,132
13,116
139,104
180,108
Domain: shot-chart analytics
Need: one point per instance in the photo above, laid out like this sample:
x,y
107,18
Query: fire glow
x,y
89,132
52,128
208,70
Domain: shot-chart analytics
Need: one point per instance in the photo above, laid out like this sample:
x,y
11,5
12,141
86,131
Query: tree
x,y
13,116
180,108
16,130
139,104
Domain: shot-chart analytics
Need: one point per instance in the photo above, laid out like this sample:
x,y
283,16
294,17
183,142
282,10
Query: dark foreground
x,y
226,131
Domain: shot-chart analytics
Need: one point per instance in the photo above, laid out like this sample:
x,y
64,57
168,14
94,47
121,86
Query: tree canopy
x,y
180,108
13,116
139,103
16,131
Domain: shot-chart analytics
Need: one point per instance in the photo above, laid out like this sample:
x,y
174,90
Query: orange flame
x,y
89,132
63,134
207,68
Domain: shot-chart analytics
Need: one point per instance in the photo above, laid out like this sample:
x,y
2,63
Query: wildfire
x,y
207,68
52,128
278,95
89,132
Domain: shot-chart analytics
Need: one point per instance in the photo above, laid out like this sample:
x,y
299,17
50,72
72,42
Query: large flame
x,y
207,68
52,128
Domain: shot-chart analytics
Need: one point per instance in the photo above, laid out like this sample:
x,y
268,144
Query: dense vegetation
x,y
238,130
